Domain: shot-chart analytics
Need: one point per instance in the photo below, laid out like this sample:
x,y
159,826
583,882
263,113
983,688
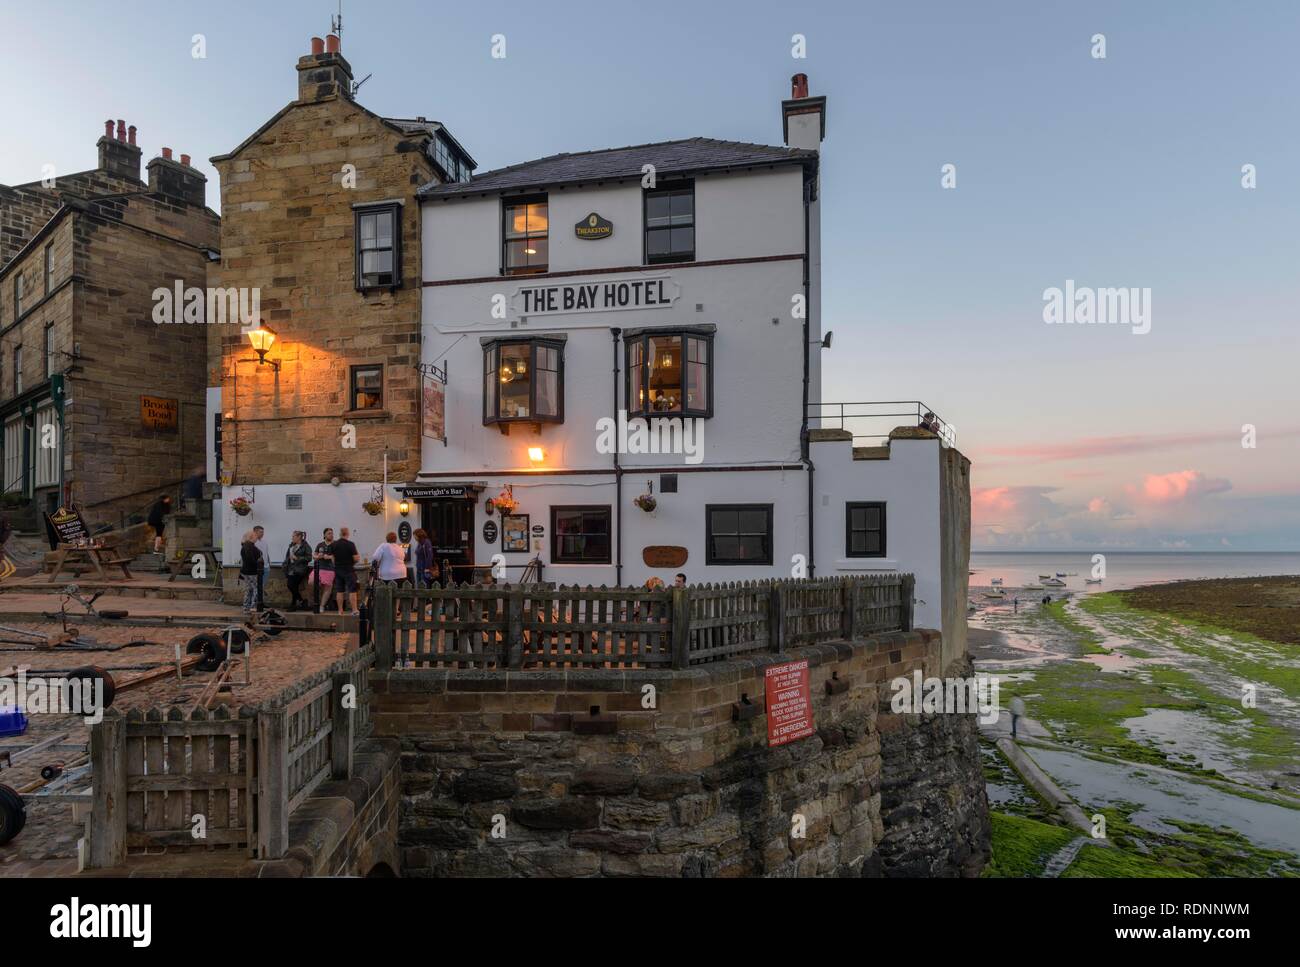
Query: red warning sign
x,y
789,703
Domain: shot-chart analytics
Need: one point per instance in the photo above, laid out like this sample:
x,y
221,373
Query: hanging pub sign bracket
x,y
433,395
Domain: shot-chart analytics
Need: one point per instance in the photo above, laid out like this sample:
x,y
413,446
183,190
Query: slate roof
x,y
688,156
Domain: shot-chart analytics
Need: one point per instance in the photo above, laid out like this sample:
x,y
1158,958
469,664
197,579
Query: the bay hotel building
x,y
660,281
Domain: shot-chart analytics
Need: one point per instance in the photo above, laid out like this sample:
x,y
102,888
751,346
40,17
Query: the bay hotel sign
x,y
642,293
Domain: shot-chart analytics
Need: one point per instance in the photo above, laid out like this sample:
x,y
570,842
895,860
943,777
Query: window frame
x,y
49,267
643,337
849,507
515,201
711,560
393,209
606,509
18,369
49,350
666,188
19,292
492,416
352,388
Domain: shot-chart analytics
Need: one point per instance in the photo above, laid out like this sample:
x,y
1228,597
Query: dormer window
x,y
523,381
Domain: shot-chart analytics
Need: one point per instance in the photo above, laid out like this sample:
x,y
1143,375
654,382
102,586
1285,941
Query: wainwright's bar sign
x,y
541,300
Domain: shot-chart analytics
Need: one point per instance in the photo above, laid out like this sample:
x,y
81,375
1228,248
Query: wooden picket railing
x,y
241,772
500,627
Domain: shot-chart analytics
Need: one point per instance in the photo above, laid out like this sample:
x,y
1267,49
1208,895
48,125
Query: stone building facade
x,y
100,405
320,219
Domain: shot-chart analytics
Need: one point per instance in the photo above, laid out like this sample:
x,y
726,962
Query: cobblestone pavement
x,y
48,842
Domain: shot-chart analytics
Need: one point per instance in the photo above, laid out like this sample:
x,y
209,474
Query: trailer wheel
x,y
273,617
212,650
13,814
93,672
235,640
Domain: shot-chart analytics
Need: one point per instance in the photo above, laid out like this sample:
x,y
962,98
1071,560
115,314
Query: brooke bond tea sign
x,y
789,703
158,414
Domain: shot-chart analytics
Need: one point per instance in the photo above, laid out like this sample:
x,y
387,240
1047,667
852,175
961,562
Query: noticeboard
x,y
789,703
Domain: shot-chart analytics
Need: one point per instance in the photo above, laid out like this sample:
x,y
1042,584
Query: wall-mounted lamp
x,y
404,507
262,338
536,454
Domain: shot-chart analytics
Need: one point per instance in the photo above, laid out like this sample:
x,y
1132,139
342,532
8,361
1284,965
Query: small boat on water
x,y
1044,577
1092,581
996,581
995,594
1033,587
1053,583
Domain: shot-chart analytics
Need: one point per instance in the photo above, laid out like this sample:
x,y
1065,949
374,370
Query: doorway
x,y
450,524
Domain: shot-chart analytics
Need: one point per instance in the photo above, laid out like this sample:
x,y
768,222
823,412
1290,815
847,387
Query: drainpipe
x,y
618,474
804,447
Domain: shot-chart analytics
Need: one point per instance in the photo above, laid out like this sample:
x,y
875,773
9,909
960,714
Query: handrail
x,y
874,411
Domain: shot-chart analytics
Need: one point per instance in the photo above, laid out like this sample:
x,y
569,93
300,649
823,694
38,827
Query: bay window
x,y
669,372
523,381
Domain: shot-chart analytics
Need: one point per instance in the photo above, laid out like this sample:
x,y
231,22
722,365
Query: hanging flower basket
x,y
505,502
373,507
654,584
241,506
646,502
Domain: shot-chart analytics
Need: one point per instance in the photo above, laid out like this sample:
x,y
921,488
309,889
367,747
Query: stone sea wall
x,y
641,773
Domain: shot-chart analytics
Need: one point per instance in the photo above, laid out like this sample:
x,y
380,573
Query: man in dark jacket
x,y
158,520
250,571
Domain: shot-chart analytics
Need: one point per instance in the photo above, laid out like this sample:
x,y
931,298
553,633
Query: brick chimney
x,y
118,154
324,72
177,180
802,117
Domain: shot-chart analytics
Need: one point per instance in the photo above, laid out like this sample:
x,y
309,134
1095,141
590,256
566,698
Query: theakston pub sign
x,y
593,228
654,293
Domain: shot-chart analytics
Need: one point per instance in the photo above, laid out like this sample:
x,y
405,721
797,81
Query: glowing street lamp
x,y
536,454
404,507
262,338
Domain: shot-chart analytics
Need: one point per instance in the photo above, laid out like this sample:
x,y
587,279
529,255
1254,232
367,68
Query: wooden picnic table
x,y
183,558
97,557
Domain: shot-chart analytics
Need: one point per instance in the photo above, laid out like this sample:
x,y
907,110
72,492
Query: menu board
x,y
65,526
789,703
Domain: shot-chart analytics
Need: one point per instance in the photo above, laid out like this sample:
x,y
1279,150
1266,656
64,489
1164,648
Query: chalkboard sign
x,y
490,532
66,527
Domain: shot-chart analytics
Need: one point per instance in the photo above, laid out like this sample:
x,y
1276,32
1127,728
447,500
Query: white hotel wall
x,y
908,483
322,506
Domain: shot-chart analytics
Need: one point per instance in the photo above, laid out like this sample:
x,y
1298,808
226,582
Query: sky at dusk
x,y
1117,172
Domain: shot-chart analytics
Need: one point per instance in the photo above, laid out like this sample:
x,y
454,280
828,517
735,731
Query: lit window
x,y
669,374
525,236
379,247
523,380
670,223
367,388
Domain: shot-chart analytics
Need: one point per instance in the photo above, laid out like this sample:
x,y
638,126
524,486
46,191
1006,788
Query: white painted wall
x,y
908,483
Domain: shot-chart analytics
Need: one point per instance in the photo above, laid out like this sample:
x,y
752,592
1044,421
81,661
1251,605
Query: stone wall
x,y
932,799
288,230
571,774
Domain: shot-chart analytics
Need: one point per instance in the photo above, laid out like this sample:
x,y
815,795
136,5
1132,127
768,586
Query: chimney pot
x,y
185,160
167,153
798,86
108,129
121,130
317,45
130,135
332,44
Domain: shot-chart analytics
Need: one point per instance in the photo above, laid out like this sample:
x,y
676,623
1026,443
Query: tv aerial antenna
x,y
336,28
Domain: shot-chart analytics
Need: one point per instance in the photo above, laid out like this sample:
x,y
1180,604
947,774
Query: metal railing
x,y
871,422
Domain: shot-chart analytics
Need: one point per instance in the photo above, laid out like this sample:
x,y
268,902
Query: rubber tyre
x,y
211,648
13,814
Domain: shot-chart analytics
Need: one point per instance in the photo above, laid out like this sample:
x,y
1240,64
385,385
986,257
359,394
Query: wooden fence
x,y
222,779
573,627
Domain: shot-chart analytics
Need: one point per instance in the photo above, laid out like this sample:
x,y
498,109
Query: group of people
x,y
332,568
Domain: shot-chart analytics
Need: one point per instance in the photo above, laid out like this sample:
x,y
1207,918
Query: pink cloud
x,y
1169,488
1110,446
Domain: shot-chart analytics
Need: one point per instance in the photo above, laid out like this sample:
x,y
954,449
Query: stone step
x,y
177,591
